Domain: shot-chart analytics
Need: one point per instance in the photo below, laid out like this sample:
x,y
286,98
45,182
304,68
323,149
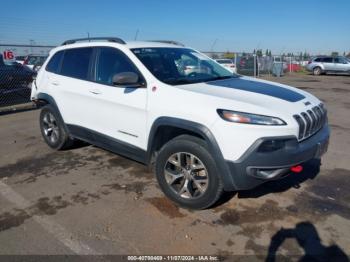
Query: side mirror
x,y
126,79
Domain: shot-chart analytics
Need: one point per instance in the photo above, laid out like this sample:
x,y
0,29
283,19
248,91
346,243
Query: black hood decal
x,y
260,88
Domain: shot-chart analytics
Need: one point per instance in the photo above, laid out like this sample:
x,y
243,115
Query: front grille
x,y
311,121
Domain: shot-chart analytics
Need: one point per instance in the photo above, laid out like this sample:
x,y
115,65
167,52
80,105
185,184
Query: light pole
x,y
212,46
32,42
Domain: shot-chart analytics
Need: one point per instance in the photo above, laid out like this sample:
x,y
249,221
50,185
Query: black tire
x,y
196,147
317,71
62,141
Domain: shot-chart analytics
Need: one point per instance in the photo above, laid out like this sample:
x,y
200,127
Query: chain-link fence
x,y
18,67
279,65
258,65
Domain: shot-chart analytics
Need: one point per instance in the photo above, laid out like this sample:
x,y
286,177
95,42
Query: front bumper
x,y
256,167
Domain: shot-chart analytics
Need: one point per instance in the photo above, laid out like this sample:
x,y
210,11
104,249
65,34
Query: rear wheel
x,y
317,71
187,173
52,129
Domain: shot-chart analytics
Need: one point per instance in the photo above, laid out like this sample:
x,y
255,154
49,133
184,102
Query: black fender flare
x,y
47,99
204,132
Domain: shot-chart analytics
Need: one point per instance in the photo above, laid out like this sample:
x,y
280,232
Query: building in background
x,y
24,50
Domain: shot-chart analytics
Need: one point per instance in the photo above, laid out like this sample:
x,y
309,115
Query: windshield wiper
x,y
178,81
221,78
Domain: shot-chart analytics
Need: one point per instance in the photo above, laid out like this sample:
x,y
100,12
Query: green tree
x,y
259,53
306,56
229,55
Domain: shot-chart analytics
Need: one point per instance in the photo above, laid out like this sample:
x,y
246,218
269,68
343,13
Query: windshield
x,y
36,60
177,66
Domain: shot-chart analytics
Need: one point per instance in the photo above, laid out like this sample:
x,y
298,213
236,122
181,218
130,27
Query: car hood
x,y
240,91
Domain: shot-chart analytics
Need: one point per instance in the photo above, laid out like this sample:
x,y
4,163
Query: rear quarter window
x,y
54,64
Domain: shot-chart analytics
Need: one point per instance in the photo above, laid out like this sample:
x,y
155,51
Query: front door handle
x,y
55,83
95,91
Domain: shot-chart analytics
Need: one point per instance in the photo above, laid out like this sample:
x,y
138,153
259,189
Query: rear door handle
x,y
95,91
55,83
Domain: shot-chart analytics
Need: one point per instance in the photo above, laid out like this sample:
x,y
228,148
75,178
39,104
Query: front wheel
x,y
187,173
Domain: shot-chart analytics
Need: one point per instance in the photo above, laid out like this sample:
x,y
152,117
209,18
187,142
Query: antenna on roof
x,y
136,34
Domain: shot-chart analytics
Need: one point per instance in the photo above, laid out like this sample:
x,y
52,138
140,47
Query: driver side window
x,y
340,60
111,61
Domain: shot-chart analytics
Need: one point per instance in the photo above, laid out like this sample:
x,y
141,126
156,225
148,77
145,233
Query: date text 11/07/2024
x,y
173,258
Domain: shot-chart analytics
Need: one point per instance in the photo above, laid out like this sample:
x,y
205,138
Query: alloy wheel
x,y
51,129
186,175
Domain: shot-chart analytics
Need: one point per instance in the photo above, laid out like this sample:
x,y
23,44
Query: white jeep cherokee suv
x,y
206,131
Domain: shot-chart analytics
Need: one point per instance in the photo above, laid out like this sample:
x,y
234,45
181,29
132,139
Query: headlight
x,y
247,118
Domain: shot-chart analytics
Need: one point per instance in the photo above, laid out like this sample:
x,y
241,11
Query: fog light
x,y
268,173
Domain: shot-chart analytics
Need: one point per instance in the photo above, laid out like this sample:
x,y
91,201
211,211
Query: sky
x,y
317,27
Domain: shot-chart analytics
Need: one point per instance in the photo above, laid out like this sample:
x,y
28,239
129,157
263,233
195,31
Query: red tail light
x,y
296,169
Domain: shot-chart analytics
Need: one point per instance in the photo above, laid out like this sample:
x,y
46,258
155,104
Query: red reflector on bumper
x,y
296,169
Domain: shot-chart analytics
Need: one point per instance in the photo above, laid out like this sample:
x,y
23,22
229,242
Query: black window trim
x,y
94,68
91,76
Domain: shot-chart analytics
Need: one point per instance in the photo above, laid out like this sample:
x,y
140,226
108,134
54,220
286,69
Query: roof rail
x,y
167,42
109,39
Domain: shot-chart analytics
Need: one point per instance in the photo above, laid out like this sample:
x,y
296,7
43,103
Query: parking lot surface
x,y
89,201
